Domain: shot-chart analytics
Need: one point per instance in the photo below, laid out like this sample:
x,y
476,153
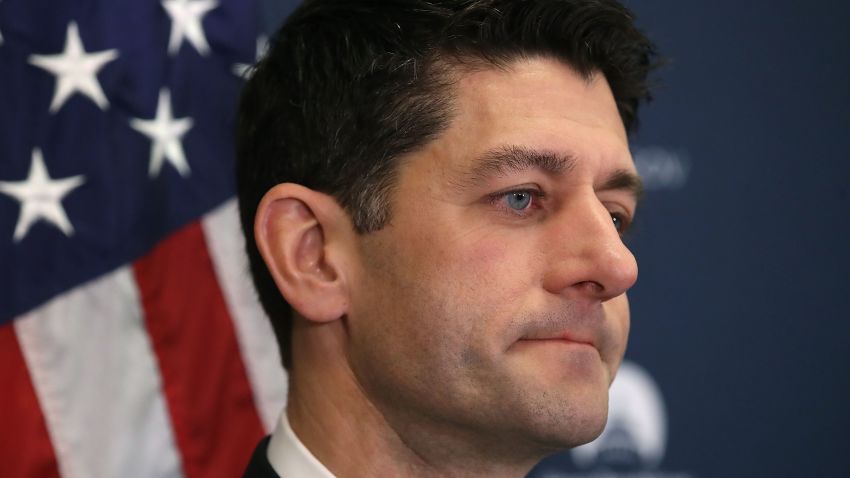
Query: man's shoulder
x,y
259,466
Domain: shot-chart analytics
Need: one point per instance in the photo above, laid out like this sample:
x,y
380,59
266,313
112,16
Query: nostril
x,y
592,287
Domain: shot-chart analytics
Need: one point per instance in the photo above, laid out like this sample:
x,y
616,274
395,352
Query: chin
x,y
558,420
589,429
581,427
564,406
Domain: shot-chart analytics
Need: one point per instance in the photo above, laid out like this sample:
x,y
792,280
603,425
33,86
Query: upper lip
x,y
584,327
567,336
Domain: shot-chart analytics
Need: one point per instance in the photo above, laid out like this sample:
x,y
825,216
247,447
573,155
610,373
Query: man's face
x,y
494,303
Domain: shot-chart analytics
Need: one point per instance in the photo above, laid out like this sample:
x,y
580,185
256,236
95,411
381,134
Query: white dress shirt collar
x,y
289,457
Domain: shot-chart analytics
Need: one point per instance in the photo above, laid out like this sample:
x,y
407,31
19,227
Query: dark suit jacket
x,y
259,467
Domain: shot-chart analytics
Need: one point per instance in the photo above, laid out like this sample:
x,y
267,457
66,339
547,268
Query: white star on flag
x,y
165,131
41,197
241,69
186,16
75,70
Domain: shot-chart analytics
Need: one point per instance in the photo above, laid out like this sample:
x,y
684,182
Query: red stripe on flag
x,y
25,448
209,398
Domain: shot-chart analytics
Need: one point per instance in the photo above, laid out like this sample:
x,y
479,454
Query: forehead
x,y
535,103
540,86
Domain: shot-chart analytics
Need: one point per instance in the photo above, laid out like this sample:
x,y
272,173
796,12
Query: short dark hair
x,y
349,86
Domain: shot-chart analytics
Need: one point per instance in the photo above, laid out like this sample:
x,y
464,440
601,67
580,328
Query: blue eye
x,y
518,203
519,200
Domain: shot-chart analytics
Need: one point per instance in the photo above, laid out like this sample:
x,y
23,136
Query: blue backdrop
x,y
740,345
741,313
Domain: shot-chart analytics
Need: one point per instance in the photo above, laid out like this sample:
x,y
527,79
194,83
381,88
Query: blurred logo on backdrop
x,y
635,438
661,168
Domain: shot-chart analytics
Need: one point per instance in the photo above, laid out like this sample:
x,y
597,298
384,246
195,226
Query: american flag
x,y
131,342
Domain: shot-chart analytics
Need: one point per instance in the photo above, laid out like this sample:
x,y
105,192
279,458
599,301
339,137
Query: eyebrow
x,y
623,180
511,159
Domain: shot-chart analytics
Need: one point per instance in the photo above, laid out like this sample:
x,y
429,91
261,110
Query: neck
x,y
353,436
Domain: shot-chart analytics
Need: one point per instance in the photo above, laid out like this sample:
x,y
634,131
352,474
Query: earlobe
x,y
291,228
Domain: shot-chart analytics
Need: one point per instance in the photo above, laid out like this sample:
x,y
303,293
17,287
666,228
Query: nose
x,y
587,259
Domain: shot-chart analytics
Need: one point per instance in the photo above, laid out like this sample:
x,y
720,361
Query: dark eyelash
x,y
498,200
535,193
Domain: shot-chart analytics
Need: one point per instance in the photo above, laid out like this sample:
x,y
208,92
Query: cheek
x,y
451,291
495,255
486,273
618,317
486,284
619,313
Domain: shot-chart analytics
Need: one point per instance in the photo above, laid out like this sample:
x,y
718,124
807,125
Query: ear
x,y
303,236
